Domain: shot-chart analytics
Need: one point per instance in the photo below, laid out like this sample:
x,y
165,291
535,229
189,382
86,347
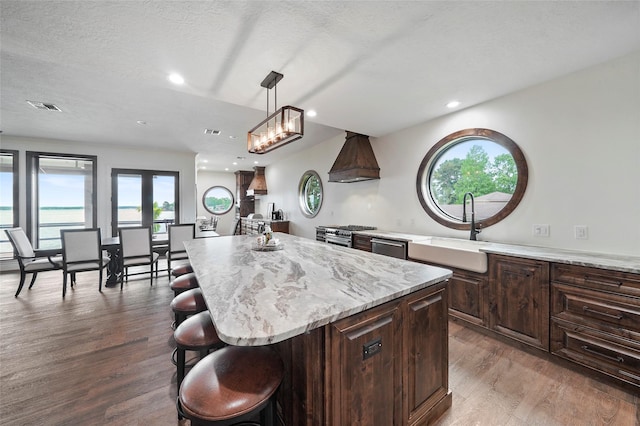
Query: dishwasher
x,y
393,248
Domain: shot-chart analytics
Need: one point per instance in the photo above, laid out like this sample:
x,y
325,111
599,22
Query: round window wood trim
x,y
220,212
302,196
424,176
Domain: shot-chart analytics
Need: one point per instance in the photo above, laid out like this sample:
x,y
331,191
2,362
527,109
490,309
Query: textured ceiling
x,y
368,67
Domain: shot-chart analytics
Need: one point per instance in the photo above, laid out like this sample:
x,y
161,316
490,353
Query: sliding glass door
x,y
8,198
144,198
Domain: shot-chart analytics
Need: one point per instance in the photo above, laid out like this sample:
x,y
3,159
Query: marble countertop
x,y
263,297
613,262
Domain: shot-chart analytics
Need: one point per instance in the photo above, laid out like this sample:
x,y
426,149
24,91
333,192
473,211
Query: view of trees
x,y
216,204
476,173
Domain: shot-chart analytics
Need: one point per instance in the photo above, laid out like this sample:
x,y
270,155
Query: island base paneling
x,y
387,365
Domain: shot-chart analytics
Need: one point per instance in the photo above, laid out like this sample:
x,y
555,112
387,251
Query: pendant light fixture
x,y
278,129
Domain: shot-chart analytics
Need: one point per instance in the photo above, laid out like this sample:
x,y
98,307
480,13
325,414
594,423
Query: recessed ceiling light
x,y
311,113
234,163
176,78
141,122
453,104
255,162
203,167
233,137
205,161
226,169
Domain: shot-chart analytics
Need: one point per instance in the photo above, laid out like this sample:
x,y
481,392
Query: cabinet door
x,y
362,242
366,355
519,299
467,297
426,353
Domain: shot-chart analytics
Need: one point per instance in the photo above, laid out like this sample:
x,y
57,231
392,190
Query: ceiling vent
x,y
42,105
212,132
356,161
258,185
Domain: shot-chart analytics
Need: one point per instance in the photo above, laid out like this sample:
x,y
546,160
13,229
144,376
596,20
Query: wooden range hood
x,y
258,185
356,161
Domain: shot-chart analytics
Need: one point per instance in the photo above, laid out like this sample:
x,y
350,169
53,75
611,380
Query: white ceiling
x,y
368,67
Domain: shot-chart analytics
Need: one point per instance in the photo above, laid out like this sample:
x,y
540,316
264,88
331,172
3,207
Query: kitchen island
x,y
363,336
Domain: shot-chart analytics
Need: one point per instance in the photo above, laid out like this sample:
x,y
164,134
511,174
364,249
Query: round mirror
x,y
483,162
218,200
310,193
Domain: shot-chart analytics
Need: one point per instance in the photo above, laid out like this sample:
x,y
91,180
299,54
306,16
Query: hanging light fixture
x,y
283,126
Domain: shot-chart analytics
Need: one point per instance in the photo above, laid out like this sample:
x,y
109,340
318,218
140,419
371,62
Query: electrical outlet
x,y
581,232
540,230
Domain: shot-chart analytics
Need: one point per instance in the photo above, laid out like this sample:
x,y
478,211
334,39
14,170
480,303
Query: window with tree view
x,y
483,162
310,193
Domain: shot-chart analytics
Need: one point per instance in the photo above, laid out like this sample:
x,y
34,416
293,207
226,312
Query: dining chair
x,y
81,252
31,261
178,234
136,250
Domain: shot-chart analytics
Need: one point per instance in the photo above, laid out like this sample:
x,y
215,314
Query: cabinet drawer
x,y
597,279
604,352
611,312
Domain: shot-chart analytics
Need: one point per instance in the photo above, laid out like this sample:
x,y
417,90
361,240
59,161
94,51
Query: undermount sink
x,y
462,254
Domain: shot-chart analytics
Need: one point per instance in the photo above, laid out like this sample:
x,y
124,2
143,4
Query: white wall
x,y
110,157
206,180
580,135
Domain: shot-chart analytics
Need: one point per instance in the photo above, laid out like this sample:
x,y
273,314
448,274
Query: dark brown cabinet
x,y
244,203
366,350
595,319
362,242
468,297
426,354
384,366
519,299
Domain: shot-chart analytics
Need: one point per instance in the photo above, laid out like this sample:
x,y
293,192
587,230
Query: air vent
x,y
42,105
212,132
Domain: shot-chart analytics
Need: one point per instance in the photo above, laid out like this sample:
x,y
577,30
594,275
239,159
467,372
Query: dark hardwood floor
x,y
104,359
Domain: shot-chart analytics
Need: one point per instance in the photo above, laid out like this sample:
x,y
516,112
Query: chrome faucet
x,y
474,231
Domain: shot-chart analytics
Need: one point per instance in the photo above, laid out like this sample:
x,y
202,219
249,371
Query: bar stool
x,y
183,283
232,385
196,333
181,270
187,303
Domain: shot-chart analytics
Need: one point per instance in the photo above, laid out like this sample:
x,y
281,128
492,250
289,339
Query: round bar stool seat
x,y
181,270
187,303
183,283
232,385
196,333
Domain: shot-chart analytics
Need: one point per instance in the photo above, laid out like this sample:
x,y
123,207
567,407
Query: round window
x,y
310,193
481,165
218,200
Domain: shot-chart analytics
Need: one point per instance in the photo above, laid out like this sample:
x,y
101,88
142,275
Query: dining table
x,y
159,244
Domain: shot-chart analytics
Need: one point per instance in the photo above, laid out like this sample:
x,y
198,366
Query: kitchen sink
x,y
457,253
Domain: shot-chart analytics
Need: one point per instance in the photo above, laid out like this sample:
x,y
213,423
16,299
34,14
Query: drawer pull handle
x,y
626,373
609,357
616,284
604,314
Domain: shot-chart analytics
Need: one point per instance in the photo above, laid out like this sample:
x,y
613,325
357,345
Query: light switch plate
x,y
541,230
581,232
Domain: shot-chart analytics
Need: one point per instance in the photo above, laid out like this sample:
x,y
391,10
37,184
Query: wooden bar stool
x,y
232,385
183,283
187,303
196,333
181,270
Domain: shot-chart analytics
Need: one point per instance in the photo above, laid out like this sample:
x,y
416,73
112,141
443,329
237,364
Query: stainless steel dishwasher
x,y
393,248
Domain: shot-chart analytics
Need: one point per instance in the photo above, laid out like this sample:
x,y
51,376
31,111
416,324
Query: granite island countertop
x,y
263,297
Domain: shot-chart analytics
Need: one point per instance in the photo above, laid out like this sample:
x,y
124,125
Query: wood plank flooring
x,y
104,359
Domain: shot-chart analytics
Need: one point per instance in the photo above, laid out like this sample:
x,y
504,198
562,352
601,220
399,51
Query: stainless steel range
x,y
340,235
